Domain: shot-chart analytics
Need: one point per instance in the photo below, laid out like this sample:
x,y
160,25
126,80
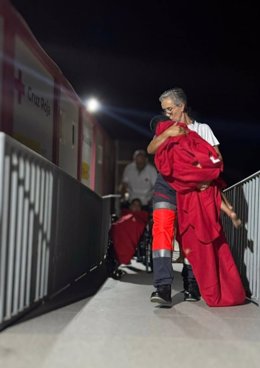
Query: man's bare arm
x,y
173,131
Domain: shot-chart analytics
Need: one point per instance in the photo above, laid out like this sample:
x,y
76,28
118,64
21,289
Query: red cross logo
x,y
19,86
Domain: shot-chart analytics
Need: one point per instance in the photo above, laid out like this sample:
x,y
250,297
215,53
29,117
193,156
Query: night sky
x,y
128,53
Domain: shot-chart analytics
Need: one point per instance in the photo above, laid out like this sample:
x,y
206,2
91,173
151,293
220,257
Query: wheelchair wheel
x,y
148,263
148,252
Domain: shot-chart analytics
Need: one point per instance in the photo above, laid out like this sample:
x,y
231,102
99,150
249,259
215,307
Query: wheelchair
x,y
142,252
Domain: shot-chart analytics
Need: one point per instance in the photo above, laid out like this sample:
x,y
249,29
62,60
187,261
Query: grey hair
x,y
177,95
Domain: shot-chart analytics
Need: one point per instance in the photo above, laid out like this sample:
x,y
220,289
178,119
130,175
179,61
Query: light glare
x,y
92,105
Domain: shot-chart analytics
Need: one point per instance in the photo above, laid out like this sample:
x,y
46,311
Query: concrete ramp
x,y
119,327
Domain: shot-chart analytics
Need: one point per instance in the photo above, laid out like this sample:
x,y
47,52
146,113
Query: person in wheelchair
x,y
126,232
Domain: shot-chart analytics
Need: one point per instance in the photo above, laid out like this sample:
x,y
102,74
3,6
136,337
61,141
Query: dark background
x,y
128,53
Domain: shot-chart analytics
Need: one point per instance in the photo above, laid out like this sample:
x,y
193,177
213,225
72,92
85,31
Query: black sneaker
x,y
162,295
191,288
191,296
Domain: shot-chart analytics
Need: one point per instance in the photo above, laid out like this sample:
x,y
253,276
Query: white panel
x,y
68,148
33,102
99,162
86,152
